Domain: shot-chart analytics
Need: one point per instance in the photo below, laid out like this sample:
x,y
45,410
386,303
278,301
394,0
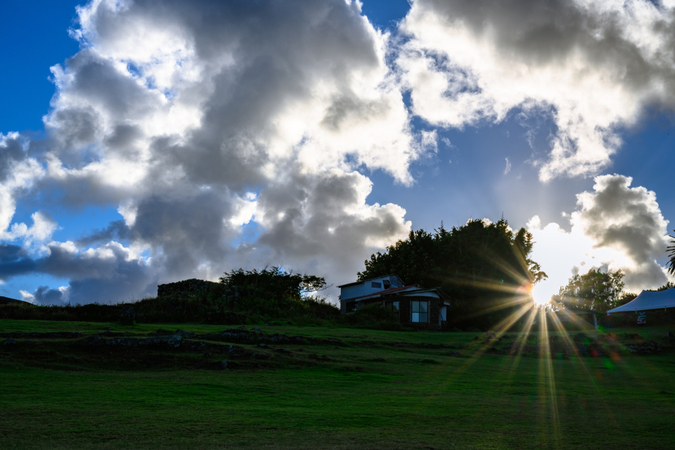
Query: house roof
x,y
370,279
408,291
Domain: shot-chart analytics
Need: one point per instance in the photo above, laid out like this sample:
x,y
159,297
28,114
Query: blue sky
x,y
36,37
196,138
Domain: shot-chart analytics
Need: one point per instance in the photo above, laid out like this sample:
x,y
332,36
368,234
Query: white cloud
x,y
306,82
195,118
199,118
615,226
27,296
36,235
507,169
246,207
592,66
629,222
18,173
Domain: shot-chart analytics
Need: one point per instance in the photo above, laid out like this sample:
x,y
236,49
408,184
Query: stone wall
x,y
187,288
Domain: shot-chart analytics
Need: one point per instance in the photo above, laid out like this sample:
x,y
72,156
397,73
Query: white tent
x,y
648,300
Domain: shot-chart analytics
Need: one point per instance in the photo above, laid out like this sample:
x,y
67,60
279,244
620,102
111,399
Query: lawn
x,y
375,389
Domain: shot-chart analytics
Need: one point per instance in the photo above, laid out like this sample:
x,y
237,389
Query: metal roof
x,y
398,291
648,300
370,279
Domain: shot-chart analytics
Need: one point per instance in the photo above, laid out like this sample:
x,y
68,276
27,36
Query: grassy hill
x,y
11,301
103,385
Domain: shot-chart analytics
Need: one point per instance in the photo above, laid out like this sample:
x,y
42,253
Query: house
x,y
415,305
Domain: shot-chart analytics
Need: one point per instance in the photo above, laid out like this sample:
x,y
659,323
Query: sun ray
x,y
489,284
522,339
584,325
499,330
504,305
548,399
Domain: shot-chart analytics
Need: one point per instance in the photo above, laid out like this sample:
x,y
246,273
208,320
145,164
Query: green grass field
x,y
377,389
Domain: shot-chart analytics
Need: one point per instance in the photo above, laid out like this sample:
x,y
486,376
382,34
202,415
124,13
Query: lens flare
x,y
533,325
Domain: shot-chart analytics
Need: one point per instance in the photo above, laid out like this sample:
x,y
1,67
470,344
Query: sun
x,y
539,301
540,295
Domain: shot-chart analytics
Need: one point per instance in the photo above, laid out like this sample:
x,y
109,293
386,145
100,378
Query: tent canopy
x,y
648,300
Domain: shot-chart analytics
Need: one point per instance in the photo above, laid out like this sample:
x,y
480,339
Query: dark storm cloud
x,y
297,219
123,141
106,88
187,230
116,230
14,260
11,152
350,107
75,126
107,275
46,296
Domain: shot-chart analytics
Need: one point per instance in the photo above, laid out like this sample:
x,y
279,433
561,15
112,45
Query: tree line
x,y
601,291
483,267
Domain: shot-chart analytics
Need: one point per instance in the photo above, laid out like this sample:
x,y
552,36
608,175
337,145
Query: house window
x,y
419,311
387,284
391,306
376,284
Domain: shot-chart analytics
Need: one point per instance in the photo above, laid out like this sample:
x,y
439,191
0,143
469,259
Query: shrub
x,y
372,316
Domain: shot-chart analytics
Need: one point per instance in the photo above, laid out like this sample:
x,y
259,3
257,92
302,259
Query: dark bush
x,y
372,316
207,308
89,313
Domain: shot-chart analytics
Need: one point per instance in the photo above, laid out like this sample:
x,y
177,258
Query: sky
x,y
149,141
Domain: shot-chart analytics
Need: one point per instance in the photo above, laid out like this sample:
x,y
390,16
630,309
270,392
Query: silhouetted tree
x,y
665,287
269,291
480,266
671,252
595,290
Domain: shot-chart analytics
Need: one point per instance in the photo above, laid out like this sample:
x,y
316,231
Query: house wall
x,y
434,311
346,306
404,311
366,287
